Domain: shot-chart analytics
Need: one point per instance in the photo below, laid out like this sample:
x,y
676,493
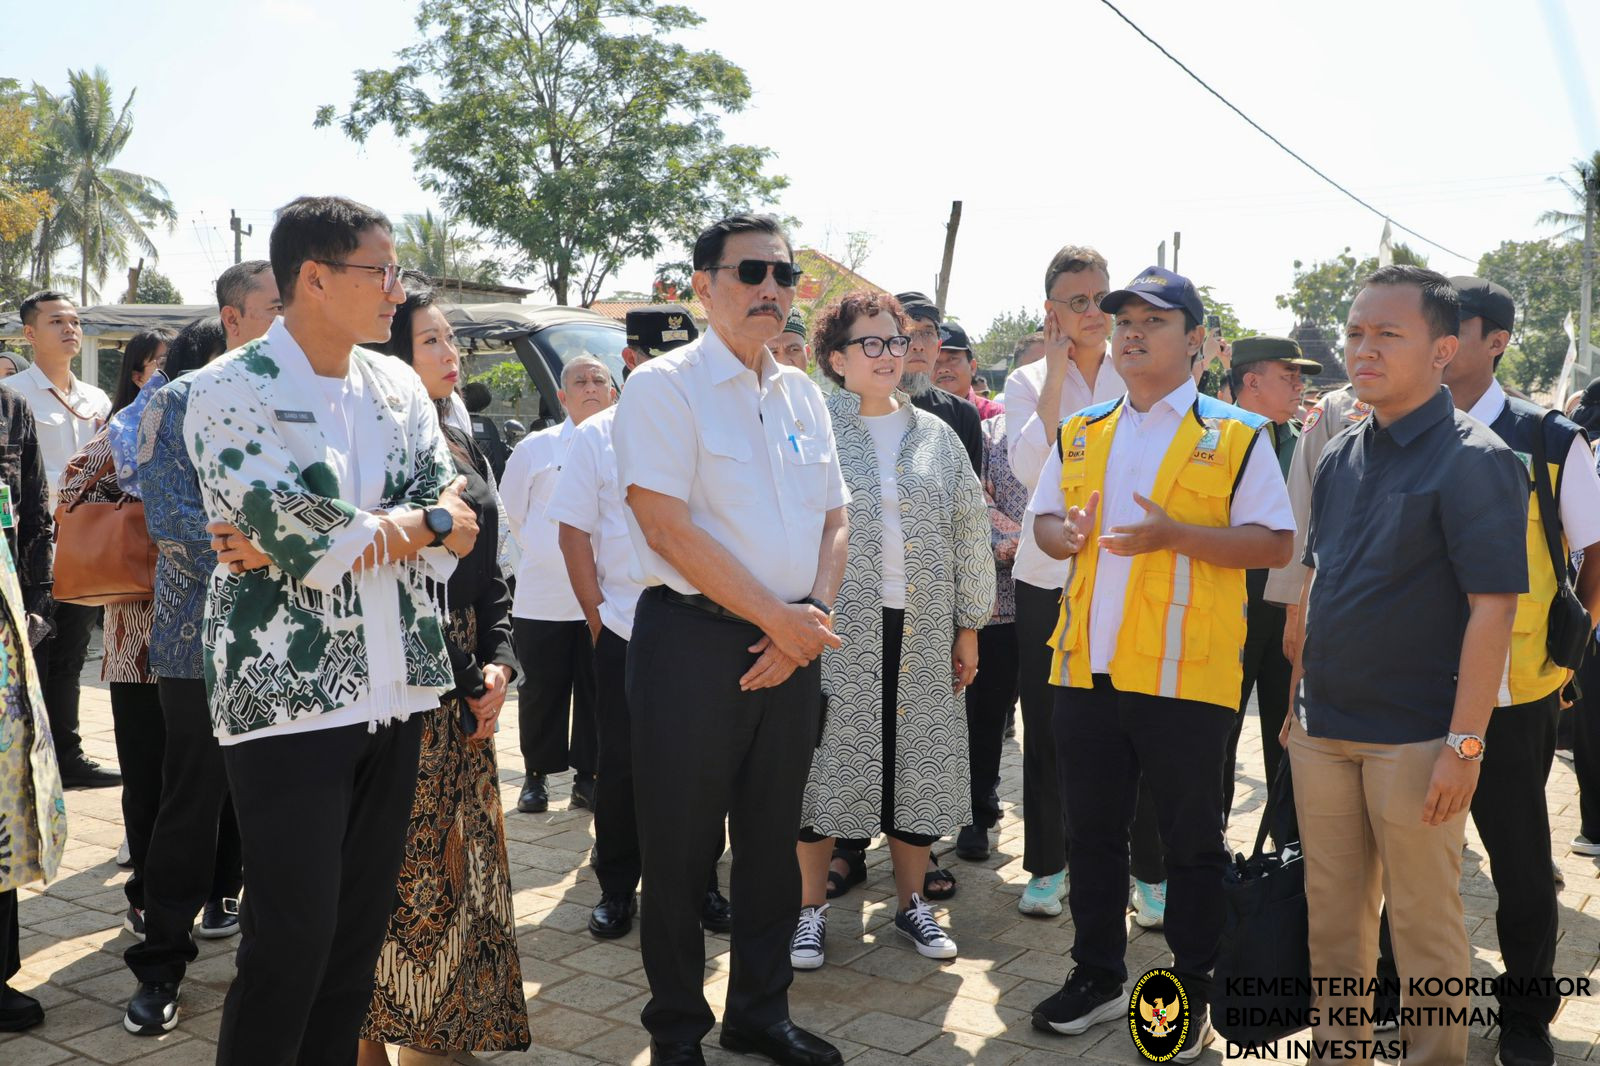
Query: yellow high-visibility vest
x,y
1183,620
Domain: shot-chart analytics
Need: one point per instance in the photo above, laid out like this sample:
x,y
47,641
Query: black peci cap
x,y
1481,298
660,328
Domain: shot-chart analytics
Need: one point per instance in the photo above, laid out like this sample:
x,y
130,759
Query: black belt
x,y
699,603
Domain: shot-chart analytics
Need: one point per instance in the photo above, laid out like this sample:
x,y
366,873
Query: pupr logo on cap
x,y
1151,279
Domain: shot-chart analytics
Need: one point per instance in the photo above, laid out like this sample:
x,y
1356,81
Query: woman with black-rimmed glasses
x,y
918,584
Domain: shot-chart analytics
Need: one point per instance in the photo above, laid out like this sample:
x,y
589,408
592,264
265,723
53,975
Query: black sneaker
x,y
1090,996
583,793
1524,1042
80,771
219,919
133,922
153,1009
535,798
972,843
716,913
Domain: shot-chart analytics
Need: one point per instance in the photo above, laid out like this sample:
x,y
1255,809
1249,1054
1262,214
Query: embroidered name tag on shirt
x,y
294,416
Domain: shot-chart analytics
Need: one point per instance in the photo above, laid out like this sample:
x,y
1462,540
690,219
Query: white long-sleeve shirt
x,y
543,589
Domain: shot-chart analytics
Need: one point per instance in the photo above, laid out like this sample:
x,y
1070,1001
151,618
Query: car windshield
x,y
567,342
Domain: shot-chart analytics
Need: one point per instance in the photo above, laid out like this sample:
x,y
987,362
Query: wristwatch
x,y
439,523
1468,746
818,604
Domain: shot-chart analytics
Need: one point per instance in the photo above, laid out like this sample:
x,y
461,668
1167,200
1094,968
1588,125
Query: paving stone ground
x,y
876,998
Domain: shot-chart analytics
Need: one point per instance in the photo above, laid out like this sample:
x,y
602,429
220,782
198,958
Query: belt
x,y
699,602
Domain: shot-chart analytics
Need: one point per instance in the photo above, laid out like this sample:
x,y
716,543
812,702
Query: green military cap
x,y
1272,350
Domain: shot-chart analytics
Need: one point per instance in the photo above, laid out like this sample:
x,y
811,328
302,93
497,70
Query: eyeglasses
x,y
390,271
1080,303
873,347
754,271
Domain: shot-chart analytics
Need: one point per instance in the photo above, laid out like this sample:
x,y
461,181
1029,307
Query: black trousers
x,y
60,658
616,823
10,937
1586,743
990,700
557,677
141,737
704,752
1044,840
193,855
1105,740
323,819
1266,671
1513,819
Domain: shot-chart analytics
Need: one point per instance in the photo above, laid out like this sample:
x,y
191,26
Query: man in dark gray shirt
x,y
1416,555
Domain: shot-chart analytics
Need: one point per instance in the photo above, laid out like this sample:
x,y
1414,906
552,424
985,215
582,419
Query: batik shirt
x,y
290,641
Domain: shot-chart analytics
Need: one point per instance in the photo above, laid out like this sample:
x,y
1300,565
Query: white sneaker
x,y
917,924
1044,895
1202,1037
1582,845
124,856
805,950
1149,904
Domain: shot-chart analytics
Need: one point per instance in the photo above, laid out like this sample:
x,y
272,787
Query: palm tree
x,y
100,208
428,243
1588,173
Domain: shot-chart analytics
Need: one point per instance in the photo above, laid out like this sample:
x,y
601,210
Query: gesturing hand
x,y
1080,523
1155,532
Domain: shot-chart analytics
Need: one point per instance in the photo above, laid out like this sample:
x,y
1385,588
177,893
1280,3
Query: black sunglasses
x,y
754,271
873,347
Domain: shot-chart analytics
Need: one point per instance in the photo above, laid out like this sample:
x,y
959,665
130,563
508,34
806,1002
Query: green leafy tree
x,y
155,288
1544,278
101,209
576,131
24,202
507,380
999,341
436,246
1585,173
1323,292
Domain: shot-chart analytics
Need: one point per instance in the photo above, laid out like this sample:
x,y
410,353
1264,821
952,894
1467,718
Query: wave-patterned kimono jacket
x,y
290,640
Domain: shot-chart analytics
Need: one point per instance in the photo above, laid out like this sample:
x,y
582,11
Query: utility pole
x,y
133,282
942,289
1591,187
239,234
1177,240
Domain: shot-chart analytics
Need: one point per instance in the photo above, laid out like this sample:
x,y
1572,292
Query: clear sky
x,y
1053,122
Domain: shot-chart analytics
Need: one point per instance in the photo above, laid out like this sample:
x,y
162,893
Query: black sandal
x,y
938,874
838,883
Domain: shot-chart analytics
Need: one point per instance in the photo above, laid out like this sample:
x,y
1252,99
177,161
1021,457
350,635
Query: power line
x,y
1259,129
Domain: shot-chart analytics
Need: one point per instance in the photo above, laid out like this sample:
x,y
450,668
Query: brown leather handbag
x,y
104,553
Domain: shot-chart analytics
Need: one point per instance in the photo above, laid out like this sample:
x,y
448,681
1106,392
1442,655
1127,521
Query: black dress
x,y
448,977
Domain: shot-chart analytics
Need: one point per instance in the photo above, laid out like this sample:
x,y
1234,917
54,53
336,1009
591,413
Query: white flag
x,y
1563,386
1386,246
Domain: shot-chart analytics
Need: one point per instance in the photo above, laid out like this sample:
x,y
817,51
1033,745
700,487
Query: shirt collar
x,y
1490,404
1179,399
1415,424
44,384
725,366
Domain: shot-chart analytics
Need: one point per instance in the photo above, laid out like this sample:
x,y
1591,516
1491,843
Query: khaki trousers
x,y
1360,810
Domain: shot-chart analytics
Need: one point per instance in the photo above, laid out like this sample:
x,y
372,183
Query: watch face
x,y
1471,747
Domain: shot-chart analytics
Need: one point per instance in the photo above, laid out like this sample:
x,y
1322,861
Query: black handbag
x,y
1570,626
1262,983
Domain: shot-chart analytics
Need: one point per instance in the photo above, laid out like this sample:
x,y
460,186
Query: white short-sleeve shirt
x,y
753,457
543,589
64,420
1137,449
589,497
1029,441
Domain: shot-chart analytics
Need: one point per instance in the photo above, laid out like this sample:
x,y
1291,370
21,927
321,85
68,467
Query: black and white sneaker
x,y
218,919
153,1009
1090,996
917,924
1199,1037
806,949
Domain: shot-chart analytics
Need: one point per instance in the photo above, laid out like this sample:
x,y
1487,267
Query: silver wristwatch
x,y
1468,746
